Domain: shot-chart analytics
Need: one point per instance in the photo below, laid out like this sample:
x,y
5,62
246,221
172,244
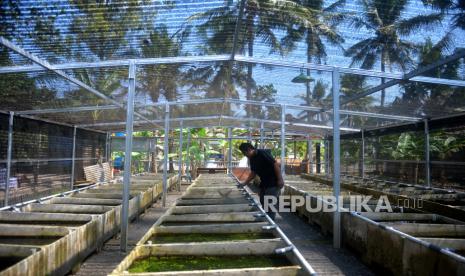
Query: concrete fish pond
x,y
408,241
215,228
52,235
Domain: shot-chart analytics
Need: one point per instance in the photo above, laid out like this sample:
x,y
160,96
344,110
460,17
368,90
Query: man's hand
x,y
280,183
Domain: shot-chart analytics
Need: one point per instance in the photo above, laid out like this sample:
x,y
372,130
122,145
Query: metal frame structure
x,y
395,78
127,157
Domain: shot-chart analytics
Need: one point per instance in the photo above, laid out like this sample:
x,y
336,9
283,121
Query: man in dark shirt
x,y
269,171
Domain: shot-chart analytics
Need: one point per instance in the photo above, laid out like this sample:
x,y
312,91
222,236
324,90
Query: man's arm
x,y
250,178
279,176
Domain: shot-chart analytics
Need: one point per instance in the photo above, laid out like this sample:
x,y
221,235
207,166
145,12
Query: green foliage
x,y
189,263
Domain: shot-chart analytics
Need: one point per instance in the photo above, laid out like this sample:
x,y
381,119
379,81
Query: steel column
x,y
165,154
149,157
127,157
8,156
155,152
310,154
326,144
188,172
427,156
180,157
107,147
362,163
336,160
283,139
261,135
73,158
230,150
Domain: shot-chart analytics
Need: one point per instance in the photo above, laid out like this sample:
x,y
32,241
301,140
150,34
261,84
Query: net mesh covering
x,y
273,52
42,154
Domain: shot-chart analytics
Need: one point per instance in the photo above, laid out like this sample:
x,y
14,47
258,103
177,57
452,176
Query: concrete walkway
x,y
316,248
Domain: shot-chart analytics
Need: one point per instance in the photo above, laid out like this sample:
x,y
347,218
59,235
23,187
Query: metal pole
x,y
127,156
261,135
188,172
180,157
427,156
8,157
106,147
149,157
363,156
326,143
155,152
73,158
310,154
230,150
283,139
336,160
165,154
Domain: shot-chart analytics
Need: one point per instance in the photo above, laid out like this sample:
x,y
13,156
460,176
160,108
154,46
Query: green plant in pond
x,y
183,263
202,237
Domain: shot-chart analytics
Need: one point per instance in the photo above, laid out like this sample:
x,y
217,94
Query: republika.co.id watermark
x,y
316,204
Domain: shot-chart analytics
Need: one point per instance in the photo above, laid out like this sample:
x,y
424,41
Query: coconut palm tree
x,y
319,25
456,8
261,20
387,45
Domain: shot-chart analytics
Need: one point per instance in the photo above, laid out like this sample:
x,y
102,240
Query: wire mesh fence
x,y
41,157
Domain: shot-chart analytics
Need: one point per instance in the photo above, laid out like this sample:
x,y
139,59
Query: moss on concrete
x,y
203,237
187,263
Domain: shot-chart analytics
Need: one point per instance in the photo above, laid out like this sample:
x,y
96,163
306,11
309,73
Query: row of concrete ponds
x,y
54,234
216,219
407,241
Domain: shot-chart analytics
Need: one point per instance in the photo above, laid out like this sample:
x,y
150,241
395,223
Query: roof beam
x,y
458,54
115,63
62,74
215,117
347,70
222,100
68,109
213,58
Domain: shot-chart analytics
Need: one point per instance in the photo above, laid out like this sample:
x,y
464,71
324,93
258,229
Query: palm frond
x,y
417,23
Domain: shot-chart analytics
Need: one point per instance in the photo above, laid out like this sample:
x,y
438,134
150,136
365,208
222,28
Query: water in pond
x,y
28,240
6,262
205,237
188,263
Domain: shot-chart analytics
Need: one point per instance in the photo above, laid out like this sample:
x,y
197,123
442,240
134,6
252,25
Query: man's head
x,y
247,149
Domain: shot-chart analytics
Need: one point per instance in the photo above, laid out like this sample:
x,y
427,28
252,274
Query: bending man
x,y
266,167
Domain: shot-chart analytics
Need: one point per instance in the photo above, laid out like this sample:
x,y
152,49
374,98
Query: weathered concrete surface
x,y
390,252
91,222
106,260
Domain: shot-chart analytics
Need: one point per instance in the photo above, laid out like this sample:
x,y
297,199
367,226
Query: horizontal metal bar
x,y
222,100
414,161
348,70
459,54
224,117
213,58
62,74
55,123
68,109
29,160
114,63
